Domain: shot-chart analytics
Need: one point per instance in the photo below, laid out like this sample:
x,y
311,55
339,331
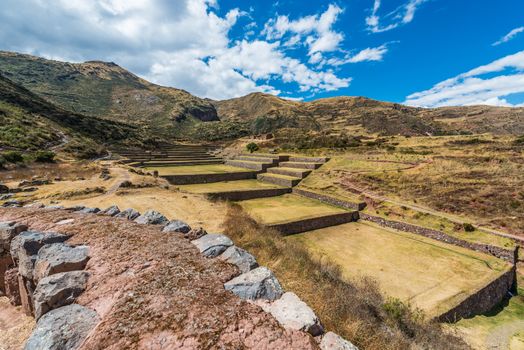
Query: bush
x,y
13,156
468,227
252,147
45,156
3,162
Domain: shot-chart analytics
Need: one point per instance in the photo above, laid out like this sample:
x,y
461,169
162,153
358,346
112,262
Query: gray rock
x,y
89,210
59,257
259,283
26,245
55,207
239,257
130,214
8,231
332,341
177,226
6,196
212,244
293,313
58,290
3,188
76,208
152,217
111,211
64,328
36,205
15,203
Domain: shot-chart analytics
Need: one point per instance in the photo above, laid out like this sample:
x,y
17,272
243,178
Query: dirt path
x,y
500,337
122,175
353,188
15,326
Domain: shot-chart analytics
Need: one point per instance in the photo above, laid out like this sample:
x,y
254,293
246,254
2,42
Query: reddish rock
x,y
5,263
26,292
11,286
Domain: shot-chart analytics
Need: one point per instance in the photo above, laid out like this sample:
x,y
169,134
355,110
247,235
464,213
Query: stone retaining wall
x,y
248,194
330,200
187,179
510,255
483,300
293,227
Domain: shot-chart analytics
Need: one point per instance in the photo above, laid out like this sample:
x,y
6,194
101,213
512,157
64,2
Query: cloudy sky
x,y
420,52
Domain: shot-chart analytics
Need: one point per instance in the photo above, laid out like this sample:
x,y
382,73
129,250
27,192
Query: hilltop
x,y
368,115
31,123
106,90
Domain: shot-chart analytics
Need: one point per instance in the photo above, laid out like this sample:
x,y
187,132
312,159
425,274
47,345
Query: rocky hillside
x,y
106,90
28,122
373,116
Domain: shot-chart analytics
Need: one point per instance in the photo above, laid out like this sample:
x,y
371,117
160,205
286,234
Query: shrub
x,y
45,156
252,147
3,162
13,156
468,227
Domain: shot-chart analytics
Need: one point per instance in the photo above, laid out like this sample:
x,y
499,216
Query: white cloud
x,y
365,55
513,33
471,88
316,29
401,15
182,43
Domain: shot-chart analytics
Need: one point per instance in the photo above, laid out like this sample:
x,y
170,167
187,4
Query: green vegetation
x,y
13,156
196,169
45,156
252,147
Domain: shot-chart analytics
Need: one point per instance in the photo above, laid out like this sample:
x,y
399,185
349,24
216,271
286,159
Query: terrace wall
x,y
248,194
483,300
330,200
289,228
510,255
187,179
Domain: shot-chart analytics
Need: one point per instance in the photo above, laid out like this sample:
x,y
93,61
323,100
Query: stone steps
x,y
176,163
280,157
309,159
294,172
259,166
258,159
281,180
301,165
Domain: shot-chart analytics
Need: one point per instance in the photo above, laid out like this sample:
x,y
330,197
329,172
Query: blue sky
x,y
420,52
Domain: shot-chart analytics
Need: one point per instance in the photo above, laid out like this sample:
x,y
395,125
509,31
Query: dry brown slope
x,y
376,116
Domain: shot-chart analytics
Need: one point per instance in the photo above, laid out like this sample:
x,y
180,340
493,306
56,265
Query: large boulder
x,y
3,188
8,231
58,290
259,283
60,257
111,211
239,257
293,313
152,217
26,245
89,210
64,328
212,244
332,341
129,214
177,226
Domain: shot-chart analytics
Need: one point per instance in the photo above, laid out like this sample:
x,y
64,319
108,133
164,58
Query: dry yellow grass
x,y
431,275
226,186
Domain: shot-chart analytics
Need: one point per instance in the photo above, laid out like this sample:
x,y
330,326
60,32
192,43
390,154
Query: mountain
x,y
360,113
29,123
106,90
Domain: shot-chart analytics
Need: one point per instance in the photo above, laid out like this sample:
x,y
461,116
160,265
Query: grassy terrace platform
x,y
286,208
197,169
226,186
429,274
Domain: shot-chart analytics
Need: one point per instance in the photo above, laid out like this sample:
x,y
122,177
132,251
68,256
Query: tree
x,y
252,147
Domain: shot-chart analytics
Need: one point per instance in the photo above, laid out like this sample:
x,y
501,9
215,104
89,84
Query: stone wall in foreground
x,y
510,255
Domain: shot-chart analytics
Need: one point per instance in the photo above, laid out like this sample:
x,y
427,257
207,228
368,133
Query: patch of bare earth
x,y
15,326
155,291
